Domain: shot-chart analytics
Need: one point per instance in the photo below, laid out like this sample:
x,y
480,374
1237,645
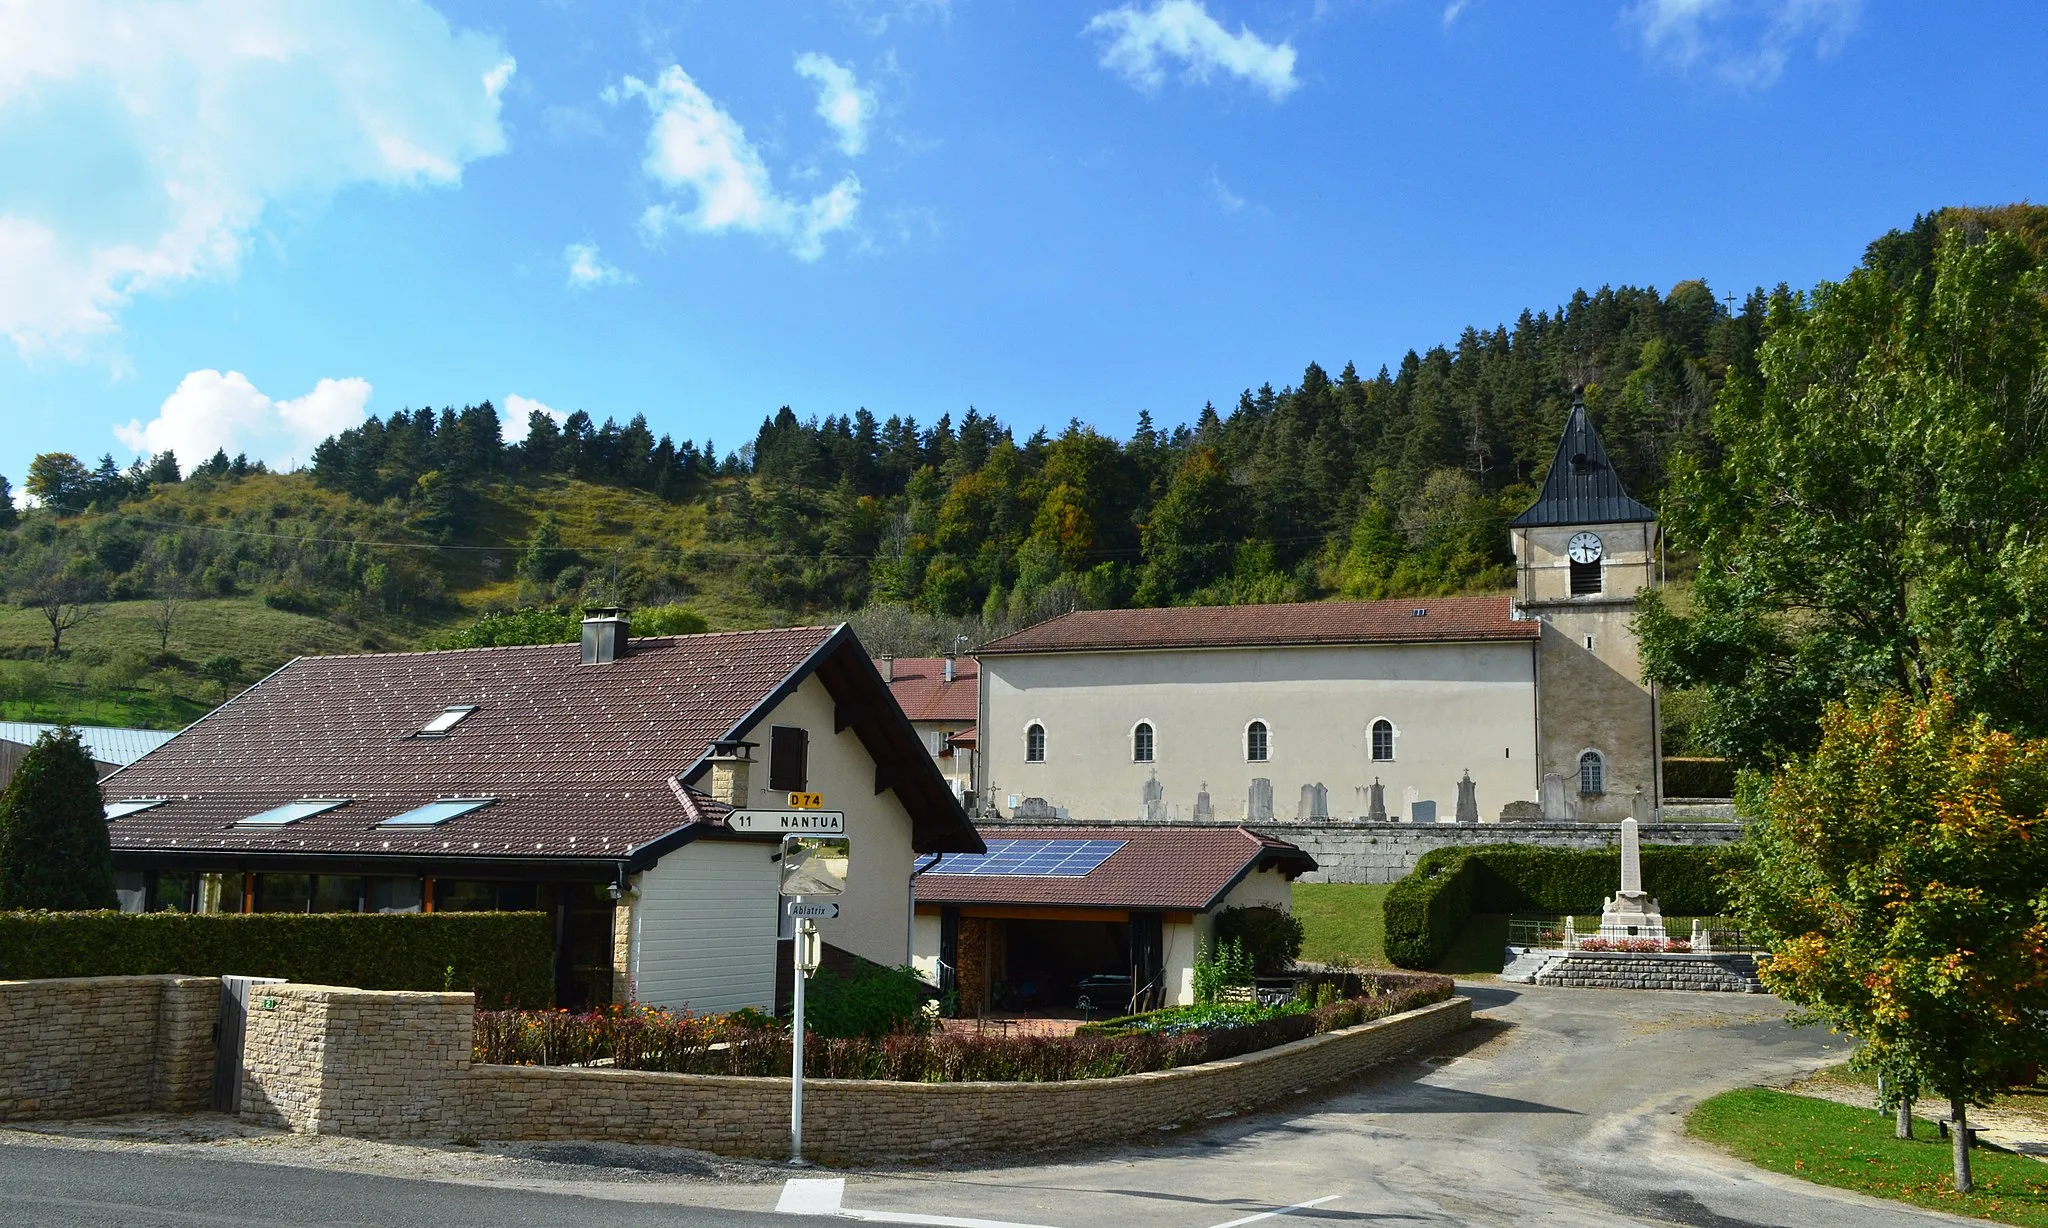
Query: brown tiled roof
x,y
1419,620
1157,867
919,685
585,761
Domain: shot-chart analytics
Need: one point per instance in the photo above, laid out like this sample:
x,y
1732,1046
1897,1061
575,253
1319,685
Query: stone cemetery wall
x,y
90,1046
1731,973
397,1065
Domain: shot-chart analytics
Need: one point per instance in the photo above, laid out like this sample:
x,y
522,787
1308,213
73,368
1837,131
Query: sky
x,y
238,224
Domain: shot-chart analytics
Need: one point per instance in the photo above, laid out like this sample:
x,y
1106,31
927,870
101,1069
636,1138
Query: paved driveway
x,y
1562,1107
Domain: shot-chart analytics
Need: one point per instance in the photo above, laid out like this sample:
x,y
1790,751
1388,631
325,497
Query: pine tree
x,y
54,851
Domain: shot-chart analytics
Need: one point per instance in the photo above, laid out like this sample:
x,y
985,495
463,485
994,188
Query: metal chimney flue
x,y
888,666
949,667
605,632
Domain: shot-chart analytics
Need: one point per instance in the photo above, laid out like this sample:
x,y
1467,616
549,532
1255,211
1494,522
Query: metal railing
x,y
1698,935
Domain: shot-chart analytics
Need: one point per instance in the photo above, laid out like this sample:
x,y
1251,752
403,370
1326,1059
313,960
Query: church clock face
x,y
1583,548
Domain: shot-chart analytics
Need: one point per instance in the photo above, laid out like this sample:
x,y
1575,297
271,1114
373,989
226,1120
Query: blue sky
x,y
227,222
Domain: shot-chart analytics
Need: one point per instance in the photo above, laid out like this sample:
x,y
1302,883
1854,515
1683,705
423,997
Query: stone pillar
x,y
1631,858
622,944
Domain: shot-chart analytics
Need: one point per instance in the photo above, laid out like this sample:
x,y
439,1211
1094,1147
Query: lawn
x,y
128,709
239,626
1853,1149
1344,923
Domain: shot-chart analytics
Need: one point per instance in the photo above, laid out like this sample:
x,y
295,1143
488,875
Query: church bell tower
x,y
1583,551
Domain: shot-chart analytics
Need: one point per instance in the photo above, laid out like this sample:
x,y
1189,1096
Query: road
x,y
1563,1107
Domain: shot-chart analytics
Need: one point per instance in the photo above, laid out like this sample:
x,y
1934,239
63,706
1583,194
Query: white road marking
x,y
823,1196
1300,1206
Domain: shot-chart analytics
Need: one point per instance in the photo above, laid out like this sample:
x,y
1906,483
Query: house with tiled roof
x,y
593,781
941,696
1100,920
1435,709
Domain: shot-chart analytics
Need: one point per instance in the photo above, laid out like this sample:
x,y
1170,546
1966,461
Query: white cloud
x,y
696,147
521,409
1745,43
1182,30
143,142
842,102
211,412
1231,201
588,269
1454,10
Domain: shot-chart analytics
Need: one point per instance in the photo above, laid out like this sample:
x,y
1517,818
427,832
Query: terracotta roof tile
x,y
1169,868
920,687
1419,620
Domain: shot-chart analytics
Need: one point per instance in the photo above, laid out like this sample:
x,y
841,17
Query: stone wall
x,y
1360,852
398,1065
1733,973
90,1046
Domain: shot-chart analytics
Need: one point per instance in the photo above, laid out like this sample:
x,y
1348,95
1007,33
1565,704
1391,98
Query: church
x,y
1520,705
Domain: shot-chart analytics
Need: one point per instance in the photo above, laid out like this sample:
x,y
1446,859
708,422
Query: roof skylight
x,y
438,811
132,805
292,812
449,718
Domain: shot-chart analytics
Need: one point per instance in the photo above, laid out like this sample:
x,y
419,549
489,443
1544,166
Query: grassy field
x,y
1853,1149
239,626
1344,923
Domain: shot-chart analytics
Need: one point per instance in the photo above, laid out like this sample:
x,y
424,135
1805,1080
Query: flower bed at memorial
x,y
749,1043
1636,946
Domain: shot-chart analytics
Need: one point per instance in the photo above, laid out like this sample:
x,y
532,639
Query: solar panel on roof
x,y
1030,858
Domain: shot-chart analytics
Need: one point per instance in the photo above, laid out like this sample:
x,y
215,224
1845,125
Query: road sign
x,y
815,910
822,822
806,801
815,865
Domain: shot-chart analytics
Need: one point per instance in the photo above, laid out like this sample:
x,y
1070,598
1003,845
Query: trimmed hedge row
x,y
1699,778
507,958
1426,910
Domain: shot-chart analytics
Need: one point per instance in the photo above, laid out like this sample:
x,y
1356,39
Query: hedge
x,y
1426,910
507,958
1699,778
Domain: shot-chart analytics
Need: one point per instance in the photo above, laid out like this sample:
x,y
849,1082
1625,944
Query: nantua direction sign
x,y
789,822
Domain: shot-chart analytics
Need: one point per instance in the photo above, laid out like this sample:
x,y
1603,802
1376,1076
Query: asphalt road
x,y
1564,1107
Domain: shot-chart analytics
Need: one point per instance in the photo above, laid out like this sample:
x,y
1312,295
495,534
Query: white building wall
x,y
704,928
1453,706
925,950
874,914
1178,948
1266,886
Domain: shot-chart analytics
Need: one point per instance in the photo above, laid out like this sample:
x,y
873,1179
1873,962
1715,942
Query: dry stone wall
x,y
397,1065
91,1046
1731,973
1362,852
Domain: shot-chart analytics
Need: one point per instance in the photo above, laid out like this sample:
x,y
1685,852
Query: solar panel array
x,y
1035,858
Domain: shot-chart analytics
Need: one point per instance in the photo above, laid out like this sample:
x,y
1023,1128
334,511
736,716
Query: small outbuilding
x,y
1090,920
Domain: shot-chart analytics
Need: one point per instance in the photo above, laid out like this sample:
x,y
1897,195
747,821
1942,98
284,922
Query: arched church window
x,y
1141,743
1592,773
1255,742
1382,740
1034,743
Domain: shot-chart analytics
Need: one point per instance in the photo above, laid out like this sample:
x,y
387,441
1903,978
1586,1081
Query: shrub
x,y
1271,936
1228,968
1699,778
868,1000
1426,910
53,830
502,957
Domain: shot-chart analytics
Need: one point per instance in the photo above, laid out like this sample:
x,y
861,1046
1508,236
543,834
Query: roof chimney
x,y
949,667
731,762
888,664
605,630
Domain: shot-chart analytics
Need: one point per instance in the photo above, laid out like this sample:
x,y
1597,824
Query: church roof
x,y
1582,487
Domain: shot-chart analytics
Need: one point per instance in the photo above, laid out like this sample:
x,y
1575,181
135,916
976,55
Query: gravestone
x,y
1558,805
1376,805
1631,912
1422,811
1155,798
1521,812
1259,801
1204,812
1314,803
1468,799
1036,808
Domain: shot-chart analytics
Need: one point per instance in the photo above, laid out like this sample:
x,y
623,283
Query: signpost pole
x,y
796,1044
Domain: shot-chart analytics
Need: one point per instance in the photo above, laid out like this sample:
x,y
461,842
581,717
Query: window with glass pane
x,y
394,895
438,811
283,892
1141,743
1255,742
464,895
1034,744
131,890
174,892
292,812
337,893
1592,773
132,805
1382,740
449,718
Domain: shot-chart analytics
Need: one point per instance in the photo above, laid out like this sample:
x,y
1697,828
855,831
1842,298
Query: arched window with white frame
x,y
1034,743
1257,742
1592,773
1383,741
1141,742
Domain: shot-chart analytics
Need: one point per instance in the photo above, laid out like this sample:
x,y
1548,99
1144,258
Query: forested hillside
x,y
1393,481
